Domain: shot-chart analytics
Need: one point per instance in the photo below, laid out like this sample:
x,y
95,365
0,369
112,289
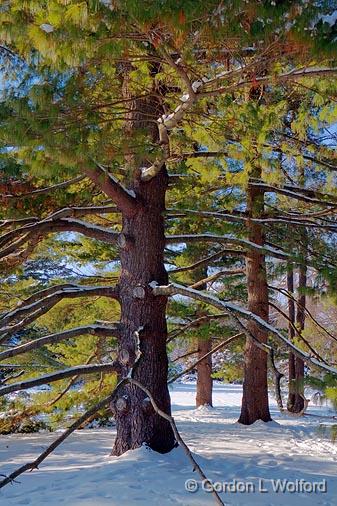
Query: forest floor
x,y
81,473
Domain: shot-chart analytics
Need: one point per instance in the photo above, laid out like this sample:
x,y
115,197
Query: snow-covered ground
x,y
81,473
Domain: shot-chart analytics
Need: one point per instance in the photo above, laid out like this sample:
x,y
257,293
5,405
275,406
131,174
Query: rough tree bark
x,y
255,387
143,315
204,368
204,374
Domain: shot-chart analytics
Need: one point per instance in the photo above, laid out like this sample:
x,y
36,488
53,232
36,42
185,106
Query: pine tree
x,y
107,92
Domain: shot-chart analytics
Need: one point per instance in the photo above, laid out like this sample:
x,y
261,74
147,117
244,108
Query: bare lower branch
x,y
207,260
296,193
217,275
288,294
297,332
30,466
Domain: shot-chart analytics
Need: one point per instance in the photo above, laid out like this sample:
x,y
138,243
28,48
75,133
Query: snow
x,y
81,473
330,19
46,27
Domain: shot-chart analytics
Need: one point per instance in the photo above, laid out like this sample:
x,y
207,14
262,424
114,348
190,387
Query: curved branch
x,y
56,376
207,260
96,330
51,225
54,295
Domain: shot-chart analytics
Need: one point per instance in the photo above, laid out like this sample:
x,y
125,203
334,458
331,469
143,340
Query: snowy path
x,y
80,472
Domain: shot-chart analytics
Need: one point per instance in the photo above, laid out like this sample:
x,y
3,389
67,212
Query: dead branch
x,y
178,437
30,466
216,348
298,333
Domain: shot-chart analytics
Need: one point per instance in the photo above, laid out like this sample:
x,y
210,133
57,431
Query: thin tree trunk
x,y
291,334
296,395
255,387
204,371
204,368
143,316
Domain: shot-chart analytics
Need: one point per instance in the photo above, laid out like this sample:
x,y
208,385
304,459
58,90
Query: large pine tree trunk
x,y
142,314
296,375
204,371
255,387
142,262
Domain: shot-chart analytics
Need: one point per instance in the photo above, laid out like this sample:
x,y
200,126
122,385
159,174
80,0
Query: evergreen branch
x,y
96,330
205,260
227,239
56,376
43,301
235,218
195,323
40,191
297,193
52,225
286,76
169,121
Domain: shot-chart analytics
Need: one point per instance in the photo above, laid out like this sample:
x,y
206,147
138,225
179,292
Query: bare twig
x,y
178,437
216,348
